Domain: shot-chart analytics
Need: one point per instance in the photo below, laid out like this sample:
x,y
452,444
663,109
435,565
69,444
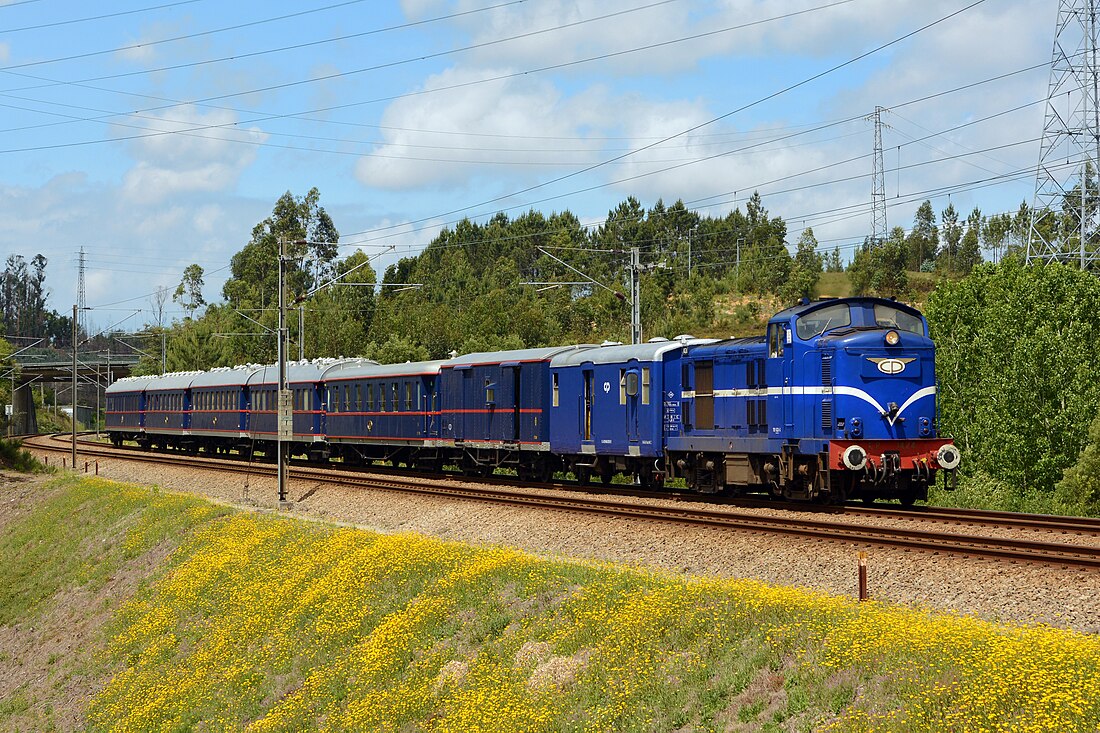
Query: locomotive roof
x,y
803,308
544,353
620,353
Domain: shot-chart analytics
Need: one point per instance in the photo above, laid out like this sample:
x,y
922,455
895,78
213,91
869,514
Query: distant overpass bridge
x,y
95,372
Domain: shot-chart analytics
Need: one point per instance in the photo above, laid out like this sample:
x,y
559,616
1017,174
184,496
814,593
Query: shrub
x,y
13,456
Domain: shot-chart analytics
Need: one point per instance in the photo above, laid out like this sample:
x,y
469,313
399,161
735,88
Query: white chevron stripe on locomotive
x,y
839,389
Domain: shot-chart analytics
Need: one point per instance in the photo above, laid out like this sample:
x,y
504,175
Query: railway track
x,y
690,513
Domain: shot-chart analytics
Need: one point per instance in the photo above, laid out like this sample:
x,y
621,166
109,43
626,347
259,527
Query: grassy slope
x,y
278,624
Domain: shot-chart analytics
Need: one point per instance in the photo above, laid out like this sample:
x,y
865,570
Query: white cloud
x,y
531,113
211,158
5,53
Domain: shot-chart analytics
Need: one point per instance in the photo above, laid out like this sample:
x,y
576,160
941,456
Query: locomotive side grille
x,y
826,416
826,370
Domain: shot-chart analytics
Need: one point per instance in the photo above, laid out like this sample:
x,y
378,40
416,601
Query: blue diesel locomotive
x,y
835,401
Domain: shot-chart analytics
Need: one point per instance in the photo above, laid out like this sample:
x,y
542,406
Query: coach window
x,y
408,396
633,384
490,392
622,386
394,398
645,385
370,396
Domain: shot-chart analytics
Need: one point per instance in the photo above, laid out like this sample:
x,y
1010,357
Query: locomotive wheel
x,y
606,477
584,475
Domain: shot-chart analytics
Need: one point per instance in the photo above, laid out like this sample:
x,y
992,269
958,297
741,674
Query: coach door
x,y
779,376
629,388
586,406
704,395
516,402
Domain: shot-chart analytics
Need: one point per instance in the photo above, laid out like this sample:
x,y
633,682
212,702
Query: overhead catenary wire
x,y
267,117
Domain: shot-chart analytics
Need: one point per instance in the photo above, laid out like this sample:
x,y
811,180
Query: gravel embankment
x,y
997,591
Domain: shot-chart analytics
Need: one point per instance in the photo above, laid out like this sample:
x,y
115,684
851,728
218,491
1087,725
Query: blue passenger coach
x,y
305,384
168,412
125,409
383,412
496,410
613,405
219,407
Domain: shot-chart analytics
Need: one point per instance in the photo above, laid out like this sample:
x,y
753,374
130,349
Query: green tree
x,y
952,232
881,270
189,292
311,244
924,240
397,350
1080,485
834,263
1016,349
805,271
969,254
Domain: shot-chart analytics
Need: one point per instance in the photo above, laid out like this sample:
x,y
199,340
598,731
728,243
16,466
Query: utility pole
x,y
74,375
163,352
635,296
691,236
301,333
737,267
80,289
286,406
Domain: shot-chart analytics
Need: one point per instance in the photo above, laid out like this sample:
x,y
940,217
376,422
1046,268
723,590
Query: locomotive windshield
x,y
820,321
890,317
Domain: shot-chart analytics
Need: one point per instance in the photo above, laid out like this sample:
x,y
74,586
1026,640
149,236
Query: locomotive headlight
x,y
892,338
854,458
948,457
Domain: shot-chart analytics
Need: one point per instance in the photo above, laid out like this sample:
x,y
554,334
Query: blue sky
x,y
155,153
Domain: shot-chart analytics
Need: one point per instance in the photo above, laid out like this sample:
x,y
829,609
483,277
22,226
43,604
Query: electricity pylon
x,y
1064,213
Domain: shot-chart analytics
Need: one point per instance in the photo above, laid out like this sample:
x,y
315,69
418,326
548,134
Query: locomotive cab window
x,y
819,321
777,336
889,317
490,392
